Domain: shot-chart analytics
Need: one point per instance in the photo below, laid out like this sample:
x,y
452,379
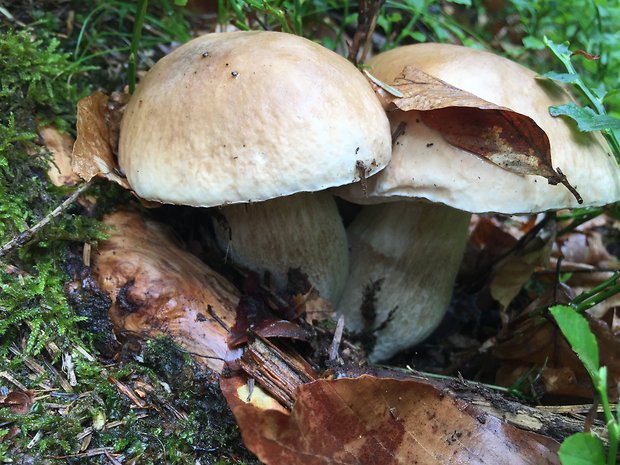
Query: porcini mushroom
x,y
245,117
411,251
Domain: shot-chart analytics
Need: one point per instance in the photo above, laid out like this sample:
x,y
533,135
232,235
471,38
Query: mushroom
x,y
245,117
406,254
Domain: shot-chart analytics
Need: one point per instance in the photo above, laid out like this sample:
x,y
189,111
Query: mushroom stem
x,y
301,231
408,253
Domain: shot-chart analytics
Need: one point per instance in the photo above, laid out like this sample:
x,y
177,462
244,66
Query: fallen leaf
x,y
586,248
312,306
97,139
487,244
262,322
159,289
514,270
371,420
508,139
60,145
254,314
18,401
533,344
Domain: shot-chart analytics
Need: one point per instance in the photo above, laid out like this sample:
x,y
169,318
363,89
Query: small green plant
x,y
588,118
586,448
36,80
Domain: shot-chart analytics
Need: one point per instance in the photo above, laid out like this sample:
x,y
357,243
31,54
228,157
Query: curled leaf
x,y
97,139
59,144
586,55
510,140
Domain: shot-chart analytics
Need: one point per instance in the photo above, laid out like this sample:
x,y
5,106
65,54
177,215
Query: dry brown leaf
x,y
370,420
486,245
586,247
256,312
514,270
510,140
312,306
97,137
19,402
158,288
60,145
533,344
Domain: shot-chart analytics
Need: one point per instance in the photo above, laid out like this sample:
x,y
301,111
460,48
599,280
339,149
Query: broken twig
x,y
29,233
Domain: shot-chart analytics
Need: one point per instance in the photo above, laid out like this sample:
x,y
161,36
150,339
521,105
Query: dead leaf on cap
x,y
97,138
508,139
372,420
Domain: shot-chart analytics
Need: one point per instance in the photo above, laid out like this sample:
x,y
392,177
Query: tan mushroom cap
x,y
425,166
249,116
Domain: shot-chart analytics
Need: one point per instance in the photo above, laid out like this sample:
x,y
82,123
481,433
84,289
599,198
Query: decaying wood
x,y
159,289
535,419
279,372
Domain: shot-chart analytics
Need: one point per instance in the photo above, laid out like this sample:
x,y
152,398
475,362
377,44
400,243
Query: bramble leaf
x,y
586,118
577,332
561,51
562,77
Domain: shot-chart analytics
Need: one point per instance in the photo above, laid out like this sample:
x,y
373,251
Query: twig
x,y
335,345
28,234
367,20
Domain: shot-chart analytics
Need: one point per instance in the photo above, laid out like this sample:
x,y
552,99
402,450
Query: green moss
x,y
36,79
171,426
184,416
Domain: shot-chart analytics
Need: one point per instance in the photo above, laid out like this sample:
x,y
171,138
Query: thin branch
x,y
29,233
367,20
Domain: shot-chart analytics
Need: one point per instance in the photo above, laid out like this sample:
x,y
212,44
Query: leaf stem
x,y
598,298
612,424
587,295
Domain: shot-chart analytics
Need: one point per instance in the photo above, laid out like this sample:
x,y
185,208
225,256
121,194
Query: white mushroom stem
x,y
302,231
411,252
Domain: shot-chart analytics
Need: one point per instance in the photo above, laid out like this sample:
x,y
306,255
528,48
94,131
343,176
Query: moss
x,y
167,426
36,79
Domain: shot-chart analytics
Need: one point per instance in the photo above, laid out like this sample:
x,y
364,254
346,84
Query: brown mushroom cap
x,y
425,166
249,116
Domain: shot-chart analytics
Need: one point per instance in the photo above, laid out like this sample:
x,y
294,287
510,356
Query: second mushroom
x,y
405,255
